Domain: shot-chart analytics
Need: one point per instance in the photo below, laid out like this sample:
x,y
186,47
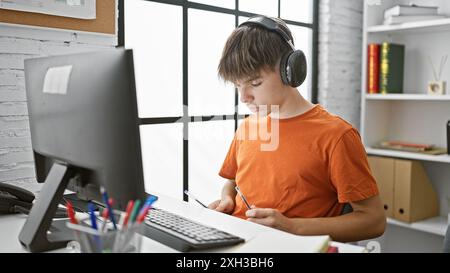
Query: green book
x,y
392,63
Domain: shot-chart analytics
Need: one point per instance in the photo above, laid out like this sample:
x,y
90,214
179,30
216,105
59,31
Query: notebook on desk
x,y
282,242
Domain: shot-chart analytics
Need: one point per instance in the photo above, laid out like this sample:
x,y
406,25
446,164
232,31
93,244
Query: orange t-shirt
x,y
319,165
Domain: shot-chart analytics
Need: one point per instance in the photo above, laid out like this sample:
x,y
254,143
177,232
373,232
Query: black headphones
x,y
293,67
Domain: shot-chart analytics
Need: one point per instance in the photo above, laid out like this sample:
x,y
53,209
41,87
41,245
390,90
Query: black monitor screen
x,y
83,113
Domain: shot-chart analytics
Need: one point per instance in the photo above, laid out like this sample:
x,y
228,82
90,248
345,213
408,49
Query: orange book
x,y
407,146
373,68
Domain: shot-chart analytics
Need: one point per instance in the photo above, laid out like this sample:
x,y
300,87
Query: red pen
x,y
130,206
71,213
147,206
105,214
141,217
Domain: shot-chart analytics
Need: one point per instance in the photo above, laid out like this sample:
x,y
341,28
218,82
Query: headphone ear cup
x,y
296,68
283,68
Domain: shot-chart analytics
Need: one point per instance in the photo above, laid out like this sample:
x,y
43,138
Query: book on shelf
x,y
373,68
399,10
410,18
407,145
410,147
391,68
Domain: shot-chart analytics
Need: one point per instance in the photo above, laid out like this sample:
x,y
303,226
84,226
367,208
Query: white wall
x,y
16,45
340,56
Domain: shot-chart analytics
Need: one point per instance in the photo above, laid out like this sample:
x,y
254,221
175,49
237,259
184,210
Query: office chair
x,y
447,241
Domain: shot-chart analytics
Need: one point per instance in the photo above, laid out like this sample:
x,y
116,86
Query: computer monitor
x,y
84,133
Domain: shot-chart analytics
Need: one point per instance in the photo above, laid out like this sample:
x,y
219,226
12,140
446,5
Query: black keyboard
x,y
183,234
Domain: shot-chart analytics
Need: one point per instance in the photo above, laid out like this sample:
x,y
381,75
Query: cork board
x,y
104,23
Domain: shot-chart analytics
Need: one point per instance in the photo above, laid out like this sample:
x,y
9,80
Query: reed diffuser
x,y
437,86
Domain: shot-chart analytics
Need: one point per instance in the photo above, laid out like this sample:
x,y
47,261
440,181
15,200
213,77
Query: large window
x,y
188,115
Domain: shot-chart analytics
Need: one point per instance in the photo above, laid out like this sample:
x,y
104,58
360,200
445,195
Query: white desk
x,y
10,226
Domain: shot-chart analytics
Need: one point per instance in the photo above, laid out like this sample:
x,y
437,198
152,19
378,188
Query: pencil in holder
x,y
127,240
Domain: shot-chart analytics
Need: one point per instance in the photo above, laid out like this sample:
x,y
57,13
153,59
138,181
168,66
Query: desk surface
x,y
10,226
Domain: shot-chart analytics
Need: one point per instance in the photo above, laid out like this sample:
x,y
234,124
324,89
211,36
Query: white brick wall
x,y
340,49
16,45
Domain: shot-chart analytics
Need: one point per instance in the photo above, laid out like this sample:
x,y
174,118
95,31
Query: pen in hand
x,y
242,197
193,197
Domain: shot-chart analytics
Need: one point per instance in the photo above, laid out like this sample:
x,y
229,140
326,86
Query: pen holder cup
x,y
88,240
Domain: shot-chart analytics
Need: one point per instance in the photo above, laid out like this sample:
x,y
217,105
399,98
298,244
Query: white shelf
x,y
436,225
412,115
439,25
415,97
445,158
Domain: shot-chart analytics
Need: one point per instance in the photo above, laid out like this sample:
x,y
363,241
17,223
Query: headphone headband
x,y
270,25
293,67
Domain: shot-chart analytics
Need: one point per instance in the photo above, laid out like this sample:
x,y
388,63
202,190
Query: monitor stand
x,y
38,234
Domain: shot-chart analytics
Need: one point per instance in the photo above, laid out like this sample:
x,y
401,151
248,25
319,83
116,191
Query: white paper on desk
x,y
57,80
282,242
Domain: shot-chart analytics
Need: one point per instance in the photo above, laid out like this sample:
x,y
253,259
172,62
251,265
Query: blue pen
x,y
105,200
145,208
91,208
97,240
150,200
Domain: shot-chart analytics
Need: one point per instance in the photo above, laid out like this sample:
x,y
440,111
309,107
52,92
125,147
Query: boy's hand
x,y
269,217
225,205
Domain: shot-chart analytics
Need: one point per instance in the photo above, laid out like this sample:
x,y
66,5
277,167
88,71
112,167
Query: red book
x,y
373,68
332,249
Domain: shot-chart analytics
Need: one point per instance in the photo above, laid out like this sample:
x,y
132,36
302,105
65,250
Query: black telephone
x,y
18,200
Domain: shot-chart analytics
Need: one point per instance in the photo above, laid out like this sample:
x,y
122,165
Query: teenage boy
x,y
319,164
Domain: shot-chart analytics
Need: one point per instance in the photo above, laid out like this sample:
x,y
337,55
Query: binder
x,y
405,189
383,172
415,198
